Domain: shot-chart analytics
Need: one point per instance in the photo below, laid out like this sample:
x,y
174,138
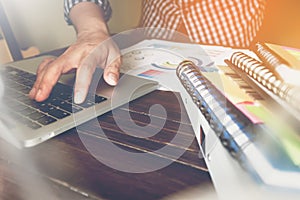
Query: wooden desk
x,y
62,168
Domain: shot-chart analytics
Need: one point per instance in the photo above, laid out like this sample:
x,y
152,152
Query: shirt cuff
x,y
104,4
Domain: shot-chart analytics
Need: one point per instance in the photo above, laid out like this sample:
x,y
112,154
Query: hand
x,y
91,49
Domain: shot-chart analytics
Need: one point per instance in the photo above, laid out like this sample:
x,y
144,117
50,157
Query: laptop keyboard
x,y
35,114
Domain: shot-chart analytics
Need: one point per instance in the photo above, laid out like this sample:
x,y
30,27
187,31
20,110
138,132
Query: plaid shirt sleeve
x,y
104,4
232,23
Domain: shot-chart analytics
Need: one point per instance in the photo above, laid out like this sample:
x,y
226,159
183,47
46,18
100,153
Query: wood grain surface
x,y
63,168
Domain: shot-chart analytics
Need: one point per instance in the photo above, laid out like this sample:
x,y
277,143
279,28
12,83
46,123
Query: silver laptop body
x,y
40,125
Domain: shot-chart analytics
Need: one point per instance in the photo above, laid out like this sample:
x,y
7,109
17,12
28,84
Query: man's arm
x,y
87,16
93,48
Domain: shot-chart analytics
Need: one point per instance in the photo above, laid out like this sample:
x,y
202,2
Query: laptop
x,y
26,123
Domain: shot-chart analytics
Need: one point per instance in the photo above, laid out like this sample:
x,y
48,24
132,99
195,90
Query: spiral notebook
x,y
267,78
235,111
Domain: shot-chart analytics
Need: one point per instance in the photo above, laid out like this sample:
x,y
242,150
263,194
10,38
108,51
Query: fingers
x,y
113,63
85,73
83,56
84,77
47,76
112,72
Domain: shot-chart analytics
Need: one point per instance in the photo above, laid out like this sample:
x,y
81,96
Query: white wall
x,y
41,23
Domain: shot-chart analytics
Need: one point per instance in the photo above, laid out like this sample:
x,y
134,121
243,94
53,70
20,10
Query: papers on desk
x,y
158,60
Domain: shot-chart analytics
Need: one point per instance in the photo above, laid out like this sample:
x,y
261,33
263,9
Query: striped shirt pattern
x,y
232,23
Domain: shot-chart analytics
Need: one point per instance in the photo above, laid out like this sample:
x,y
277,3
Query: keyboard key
x,y
36,115
64,95
44,107
86,104
11,103
28,123
59,114
25,90
32,103
33,125
29,76
76,109
57,102
19,108
63,105
99,99
25,100
27,111
46,120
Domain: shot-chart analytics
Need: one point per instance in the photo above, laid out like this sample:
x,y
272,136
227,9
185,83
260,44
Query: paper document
x,y
158,60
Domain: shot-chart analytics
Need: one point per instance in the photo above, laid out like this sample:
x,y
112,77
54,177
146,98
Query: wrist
x,y
87,17
92,26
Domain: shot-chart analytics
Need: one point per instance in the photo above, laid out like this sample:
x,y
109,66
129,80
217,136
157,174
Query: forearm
x,y
88,17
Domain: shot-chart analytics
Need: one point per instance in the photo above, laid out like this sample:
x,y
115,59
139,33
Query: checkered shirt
x,y
232,23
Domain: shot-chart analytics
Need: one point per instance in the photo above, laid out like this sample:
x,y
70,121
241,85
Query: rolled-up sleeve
x,y
104,4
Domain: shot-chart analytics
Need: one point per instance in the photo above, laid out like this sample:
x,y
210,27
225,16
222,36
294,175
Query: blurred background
x,y
40,23
282,23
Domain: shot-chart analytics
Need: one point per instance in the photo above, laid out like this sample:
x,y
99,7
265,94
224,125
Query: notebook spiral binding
x,y
267,56
267,78
248,143
222,116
